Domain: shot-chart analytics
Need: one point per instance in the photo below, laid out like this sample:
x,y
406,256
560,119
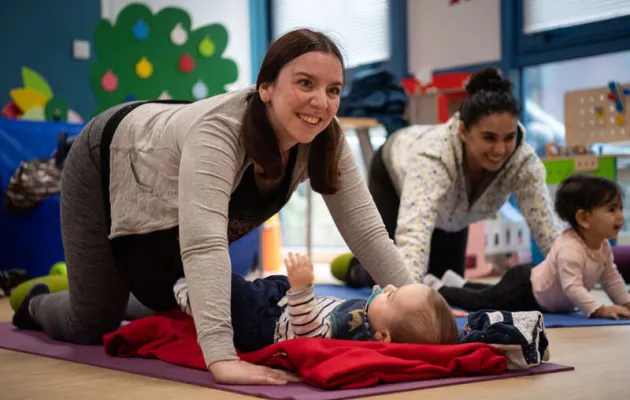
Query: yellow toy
x,y
56,281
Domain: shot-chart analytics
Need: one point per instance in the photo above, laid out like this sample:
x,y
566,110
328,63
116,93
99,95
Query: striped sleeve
x,y
180,290
309,316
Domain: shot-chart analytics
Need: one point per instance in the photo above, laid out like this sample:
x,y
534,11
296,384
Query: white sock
x,y
432,281
452,279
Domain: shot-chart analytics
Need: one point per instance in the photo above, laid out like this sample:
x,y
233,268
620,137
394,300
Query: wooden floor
x,y
601,356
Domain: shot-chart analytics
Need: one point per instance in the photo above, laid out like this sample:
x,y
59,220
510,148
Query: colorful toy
x,y
57,281
617,94
339,266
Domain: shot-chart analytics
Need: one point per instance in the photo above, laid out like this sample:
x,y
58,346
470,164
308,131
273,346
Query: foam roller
x,y
339,266
56,283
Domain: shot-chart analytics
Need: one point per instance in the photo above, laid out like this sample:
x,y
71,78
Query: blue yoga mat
x,y
551,320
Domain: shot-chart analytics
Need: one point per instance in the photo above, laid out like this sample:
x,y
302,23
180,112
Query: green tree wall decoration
x,y
145,56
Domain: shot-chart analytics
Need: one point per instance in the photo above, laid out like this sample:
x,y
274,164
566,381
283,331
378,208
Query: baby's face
x,y
392,300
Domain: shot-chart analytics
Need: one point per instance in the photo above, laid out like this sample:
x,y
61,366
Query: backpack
x,y
32,182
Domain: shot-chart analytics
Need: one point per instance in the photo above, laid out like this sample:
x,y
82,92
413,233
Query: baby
x,y
281,308
580,257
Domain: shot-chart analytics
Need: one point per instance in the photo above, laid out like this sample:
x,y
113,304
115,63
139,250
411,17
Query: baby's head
x,y
411,314
591,203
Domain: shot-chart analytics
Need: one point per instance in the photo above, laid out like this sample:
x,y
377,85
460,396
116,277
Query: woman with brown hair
x,y
156,190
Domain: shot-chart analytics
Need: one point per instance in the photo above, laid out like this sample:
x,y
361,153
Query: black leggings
x,y
512,293
448,249
101,272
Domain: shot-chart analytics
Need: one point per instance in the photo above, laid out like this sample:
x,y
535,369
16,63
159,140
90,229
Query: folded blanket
x,y
325,363
520,335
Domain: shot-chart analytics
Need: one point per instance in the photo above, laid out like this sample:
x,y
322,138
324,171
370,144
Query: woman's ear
x,y
582,218
462,131
264,91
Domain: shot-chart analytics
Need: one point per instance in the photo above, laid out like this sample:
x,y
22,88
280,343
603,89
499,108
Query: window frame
x,y
261,22
561,44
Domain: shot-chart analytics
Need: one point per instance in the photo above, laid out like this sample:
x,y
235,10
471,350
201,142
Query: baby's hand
x,y
299,271
612,312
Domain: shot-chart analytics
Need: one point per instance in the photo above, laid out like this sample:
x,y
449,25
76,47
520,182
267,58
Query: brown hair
x,y
260,140
430,322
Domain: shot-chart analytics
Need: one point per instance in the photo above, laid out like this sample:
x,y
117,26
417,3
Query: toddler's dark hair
x,y
584,192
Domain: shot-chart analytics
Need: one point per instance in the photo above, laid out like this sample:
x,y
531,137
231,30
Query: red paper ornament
x,y
186,63
109,81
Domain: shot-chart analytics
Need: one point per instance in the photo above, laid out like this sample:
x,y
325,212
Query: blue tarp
x,y
31,240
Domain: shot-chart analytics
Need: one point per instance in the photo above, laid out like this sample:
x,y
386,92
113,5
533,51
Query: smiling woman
x,y
431,182
170,184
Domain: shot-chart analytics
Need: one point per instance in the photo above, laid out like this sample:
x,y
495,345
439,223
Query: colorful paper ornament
x,y
200,90
164,96
34,114
56,110
33,80
186,63
179,36
109,81
26,99
206,47
144,68
140,30
74,117
11,111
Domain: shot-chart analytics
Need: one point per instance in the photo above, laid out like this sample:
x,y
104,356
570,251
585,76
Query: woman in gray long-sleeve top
x,y
156,190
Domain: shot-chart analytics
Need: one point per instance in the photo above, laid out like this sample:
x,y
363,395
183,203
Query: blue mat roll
x,y
576,319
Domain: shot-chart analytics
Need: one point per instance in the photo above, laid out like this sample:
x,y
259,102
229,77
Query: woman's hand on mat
x,y
459,313
299,271
612,312
237,372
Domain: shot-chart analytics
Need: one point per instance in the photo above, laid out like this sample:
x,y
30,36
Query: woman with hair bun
x,y
430,182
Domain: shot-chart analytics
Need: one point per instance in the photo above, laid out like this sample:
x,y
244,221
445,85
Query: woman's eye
x,y
305,84
334,91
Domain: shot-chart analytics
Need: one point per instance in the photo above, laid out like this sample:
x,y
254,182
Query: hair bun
x,y
488,80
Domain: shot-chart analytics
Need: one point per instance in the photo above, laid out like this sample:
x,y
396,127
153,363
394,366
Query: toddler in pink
x,y
580,257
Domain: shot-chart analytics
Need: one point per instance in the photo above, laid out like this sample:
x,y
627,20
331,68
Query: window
x,y
326,240
545,85
359,27
544,88
545,15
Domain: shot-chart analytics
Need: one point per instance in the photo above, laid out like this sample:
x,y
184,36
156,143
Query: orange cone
x,y
272,245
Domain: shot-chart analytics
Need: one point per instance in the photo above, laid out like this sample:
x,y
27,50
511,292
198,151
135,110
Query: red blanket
x,y
325,363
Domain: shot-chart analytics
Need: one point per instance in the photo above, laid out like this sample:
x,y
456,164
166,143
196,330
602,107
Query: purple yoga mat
x,y
39,344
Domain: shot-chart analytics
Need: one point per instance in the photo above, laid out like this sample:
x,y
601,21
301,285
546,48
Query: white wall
x,y
233,14
442,35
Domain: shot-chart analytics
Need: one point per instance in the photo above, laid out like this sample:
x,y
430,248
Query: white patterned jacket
x,y
425,163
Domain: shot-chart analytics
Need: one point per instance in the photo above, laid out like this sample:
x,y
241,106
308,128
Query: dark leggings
x,y
448,249
512,293
103,273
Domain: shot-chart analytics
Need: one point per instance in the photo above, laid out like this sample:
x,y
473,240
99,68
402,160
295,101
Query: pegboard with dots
x,y
597,115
